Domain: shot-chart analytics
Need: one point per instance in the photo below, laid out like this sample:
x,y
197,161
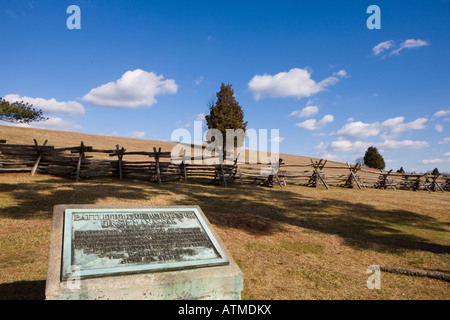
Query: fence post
x,y
158,173
39,156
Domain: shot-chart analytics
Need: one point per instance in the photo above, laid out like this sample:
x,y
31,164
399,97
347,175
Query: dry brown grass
x,y
296,243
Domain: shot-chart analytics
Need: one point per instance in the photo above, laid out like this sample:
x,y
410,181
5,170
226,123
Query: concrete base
x,y
220,282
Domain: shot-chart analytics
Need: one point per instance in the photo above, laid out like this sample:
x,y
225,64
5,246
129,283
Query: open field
x,y
295,243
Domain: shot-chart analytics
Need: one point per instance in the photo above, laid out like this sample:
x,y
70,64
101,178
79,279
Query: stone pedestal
x,y
220,282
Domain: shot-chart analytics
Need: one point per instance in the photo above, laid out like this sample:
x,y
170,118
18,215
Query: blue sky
x,y
311,69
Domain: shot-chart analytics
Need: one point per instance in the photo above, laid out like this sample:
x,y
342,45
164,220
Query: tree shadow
x,y
36,200
264,211
23,290
253,209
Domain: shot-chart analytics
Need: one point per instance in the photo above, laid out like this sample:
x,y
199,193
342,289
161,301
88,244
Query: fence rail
x,y
79,162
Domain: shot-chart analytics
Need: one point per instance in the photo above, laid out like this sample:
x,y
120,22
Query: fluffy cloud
x,y
344,145
399,127
379,48
309,111
433,161
359,130
410,44
390,128
305,112
360,146
439,128
442,113
313,124
277,140
409,144
296,82
134,89
50,106
407,44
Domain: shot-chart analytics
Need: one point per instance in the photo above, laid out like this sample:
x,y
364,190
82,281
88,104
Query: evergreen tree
x,y
19,112
401,170
226,113
435,172
373,159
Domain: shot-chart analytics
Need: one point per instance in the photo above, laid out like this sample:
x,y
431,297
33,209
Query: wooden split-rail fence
x,y
86,162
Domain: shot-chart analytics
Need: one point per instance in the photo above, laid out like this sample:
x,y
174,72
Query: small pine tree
x,y
19,112
401,170
435,172
226,113
373,159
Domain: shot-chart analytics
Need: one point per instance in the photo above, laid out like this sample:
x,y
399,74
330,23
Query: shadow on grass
x,y
254,209
265,211
37,199
23,290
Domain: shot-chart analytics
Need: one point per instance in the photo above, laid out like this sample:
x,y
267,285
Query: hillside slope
x,y
59,139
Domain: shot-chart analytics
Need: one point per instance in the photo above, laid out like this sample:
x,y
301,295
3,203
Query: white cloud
x,y
326,119
391,128
138,134
277,140
446,154
296,82
409,144
50,106
392,122
410,44
321,145
293,113
359,130
344,145
313,124
53,123
442,113
360,146
439,128
399,127
309,111
379,48
134,89
433,161
310,124
444,141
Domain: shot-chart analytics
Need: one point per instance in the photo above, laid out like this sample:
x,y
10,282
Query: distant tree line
x,y
373,159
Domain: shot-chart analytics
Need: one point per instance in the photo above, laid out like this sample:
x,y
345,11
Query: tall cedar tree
x,y
19,112
226,113
373,159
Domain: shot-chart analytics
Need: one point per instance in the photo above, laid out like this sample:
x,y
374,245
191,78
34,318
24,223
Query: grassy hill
x,y
295,243
59,139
